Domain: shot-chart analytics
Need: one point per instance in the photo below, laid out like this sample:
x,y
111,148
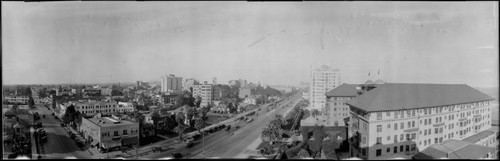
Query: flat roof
x,y
107,122
481,135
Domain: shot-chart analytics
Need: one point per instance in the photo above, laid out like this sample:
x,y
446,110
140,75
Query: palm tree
x,y
180,129
271,134
278,122
199,124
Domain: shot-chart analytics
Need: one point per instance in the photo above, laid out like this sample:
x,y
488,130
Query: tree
x,y
155,116
179,129
199,124
303,153
204,111
198,101
69,115
278,122
315,113
163,111
271,134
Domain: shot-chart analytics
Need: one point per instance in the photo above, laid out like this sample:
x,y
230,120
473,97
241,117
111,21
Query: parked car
x,y
157,149
177,155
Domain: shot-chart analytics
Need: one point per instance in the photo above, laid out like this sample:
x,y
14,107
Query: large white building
x,y
401,119
205,92
91,107
16,99
125,107
170,83
322,79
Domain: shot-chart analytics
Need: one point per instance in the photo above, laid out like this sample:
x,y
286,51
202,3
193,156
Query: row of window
x,y
411,124
124,132
378,152
411,113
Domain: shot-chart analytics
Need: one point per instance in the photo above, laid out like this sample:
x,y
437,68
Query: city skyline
x,y
275,43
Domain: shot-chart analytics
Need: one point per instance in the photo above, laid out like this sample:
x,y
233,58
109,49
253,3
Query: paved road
x,y
234,145
236,137
59,145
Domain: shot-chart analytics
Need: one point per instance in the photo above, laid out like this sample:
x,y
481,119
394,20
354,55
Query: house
x,y
252,99
110,132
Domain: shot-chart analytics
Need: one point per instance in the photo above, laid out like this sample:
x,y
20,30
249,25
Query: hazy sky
x,y
272,42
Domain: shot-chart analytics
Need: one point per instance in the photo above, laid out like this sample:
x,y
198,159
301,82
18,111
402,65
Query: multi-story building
x,y
189,83
322,79
171,83
220,91
19,99
400,119
336,110
92,107
110,132
205,92
125,107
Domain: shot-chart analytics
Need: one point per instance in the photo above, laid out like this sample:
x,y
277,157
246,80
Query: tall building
x,y
171,83
401,119
214,81
188,83
205,92
322,79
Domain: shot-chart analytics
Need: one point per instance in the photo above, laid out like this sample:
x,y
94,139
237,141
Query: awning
x,y
130,141
110,144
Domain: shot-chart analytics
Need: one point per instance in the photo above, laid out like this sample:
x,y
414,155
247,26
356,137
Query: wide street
x,y
229,144
59,145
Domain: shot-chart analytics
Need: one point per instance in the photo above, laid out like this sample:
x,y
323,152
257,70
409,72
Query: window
x,y
125,132
436,131
435,140
388,113
395,149
425,132
407,136
441,130
388,150
395,138
440,139
407,147
401,148
379,128
409,124
379,152
413,136
379,140
388,138
116,133
379,115
413,124
430,121
395,126
396,114
363,140
401,137
389,126
363,152
425,122
402,126
425,142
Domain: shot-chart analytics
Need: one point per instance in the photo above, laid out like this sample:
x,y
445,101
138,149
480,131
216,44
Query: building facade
x,y
189,83
322,79
170,83
402,119
19,99
92,107
110,132
336,108
205,92
125,107
245,92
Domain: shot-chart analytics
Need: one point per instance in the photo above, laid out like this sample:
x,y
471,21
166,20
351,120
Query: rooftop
x,y
454,149
397,96
481,135
109,121
343,90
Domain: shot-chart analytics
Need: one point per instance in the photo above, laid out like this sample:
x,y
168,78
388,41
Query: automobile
x,y
177,155
157,149
249,120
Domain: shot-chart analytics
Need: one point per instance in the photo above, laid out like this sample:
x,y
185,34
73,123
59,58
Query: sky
x,y
271,42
